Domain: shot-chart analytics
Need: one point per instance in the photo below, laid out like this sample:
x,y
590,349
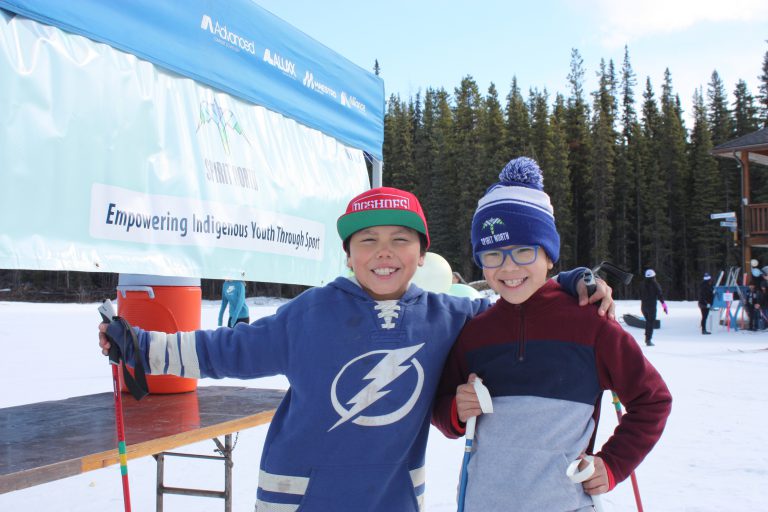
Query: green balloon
x,y
463,290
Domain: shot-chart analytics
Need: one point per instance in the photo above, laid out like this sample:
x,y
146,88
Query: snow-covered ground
x,y
713,455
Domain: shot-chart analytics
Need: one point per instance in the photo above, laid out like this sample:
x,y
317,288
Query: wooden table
x,y
46,441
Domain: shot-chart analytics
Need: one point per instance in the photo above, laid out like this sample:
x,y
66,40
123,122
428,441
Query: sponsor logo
x,y
390,366
280,62
309,81
492,224
351,102
226,36
224,120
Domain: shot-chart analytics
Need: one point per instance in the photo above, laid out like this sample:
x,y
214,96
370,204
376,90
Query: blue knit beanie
x,y
516,211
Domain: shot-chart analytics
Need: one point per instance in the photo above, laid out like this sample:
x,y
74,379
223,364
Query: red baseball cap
x,y
383,206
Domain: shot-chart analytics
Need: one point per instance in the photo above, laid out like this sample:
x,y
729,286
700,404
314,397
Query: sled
x,y
639,321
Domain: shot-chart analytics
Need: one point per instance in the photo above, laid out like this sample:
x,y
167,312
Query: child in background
x,y
546,363
233,295
363,356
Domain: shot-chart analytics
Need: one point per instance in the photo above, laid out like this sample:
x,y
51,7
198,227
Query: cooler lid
x,y
152,280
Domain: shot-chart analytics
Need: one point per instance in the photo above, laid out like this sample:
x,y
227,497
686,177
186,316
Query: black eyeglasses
x,y
521,255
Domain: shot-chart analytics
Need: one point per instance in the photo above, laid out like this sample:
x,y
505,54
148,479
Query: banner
x,y
239,48
111,164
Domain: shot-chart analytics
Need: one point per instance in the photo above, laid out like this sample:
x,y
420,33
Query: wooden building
x,y
750,148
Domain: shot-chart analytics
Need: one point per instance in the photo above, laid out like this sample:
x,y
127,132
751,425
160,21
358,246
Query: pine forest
x,y
629,181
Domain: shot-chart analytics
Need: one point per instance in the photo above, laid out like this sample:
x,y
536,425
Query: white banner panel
x,y
108,163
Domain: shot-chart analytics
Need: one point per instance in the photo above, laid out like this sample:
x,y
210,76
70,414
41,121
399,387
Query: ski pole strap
x,y
136,385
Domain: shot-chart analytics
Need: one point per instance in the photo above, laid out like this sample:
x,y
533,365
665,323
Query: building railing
x,y
757,216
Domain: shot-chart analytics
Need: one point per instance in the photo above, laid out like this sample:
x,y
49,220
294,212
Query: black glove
x,y
124,346
120,336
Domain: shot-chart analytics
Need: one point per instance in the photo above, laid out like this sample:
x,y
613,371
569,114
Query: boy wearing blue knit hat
x,y
545,363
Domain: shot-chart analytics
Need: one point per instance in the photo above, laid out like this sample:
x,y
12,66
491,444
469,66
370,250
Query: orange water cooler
x,y
159,303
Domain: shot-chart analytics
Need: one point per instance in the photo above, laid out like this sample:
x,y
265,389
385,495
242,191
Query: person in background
x,y
457,279
706,296
764,304
753,298
650,293
233,295
546,363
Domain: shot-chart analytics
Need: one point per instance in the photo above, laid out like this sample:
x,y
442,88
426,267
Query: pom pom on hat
x,y
522,171
516,211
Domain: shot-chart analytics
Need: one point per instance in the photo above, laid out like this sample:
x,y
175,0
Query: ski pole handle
x,y
578,477
107,312
589,281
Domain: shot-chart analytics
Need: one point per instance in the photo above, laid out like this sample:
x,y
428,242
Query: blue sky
x,y
427,43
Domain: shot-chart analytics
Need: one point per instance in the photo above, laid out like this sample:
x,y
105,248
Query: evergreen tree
x,y
493,138
416,119
603,147
541,143
398,145
558,184
721,126
470,186
672,248
652,193
376,67
627,173
577,137
707,236
424,147
745,116
518,125
763,78
442,211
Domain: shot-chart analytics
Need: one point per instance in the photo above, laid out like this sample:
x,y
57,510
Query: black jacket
x,y
706,293
650,293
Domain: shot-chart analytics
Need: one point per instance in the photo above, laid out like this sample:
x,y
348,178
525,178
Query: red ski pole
x,y
121,437
635,488
107,314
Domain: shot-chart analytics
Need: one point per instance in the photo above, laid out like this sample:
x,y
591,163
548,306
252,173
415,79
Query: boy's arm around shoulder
x,y
623,368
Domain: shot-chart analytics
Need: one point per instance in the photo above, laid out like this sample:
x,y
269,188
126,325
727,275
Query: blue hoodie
x,y
351,432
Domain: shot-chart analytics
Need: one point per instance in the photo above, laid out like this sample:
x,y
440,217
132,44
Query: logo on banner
x,y
351,102
309,81
280,62
224,120
386,376
226,36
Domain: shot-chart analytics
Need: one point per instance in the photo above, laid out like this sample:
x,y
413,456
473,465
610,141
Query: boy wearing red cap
x,y
363,356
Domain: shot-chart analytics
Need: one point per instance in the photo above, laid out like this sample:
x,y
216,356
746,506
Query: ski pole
x,y
108,313
632,476
578,477
486,406
121,437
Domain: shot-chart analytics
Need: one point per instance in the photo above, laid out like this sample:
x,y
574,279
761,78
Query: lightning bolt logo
x,y
392,365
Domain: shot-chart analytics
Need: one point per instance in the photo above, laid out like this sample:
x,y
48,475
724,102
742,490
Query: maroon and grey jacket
x,y
546,363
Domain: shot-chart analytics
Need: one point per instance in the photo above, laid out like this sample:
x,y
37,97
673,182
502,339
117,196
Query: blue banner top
x,y
238,47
